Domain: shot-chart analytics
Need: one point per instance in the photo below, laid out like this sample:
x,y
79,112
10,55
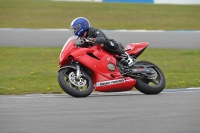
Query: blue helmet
x,y
79,26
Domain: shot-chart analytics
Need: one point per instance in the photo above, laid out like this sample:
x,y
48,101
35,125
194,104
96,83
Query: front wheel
x,y
153,85
76,87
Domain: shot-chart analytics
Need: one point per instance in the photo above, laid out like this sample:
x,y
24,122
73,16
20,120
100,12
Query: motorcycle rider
x,y
81,27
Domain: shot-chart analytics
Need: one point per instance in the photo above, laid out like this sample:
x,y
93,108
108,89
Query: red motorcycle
x,y
84,68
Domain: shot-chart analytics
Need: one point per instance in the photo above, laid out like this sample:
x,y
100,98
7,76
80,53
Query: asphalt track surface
x,y
172,111
57,38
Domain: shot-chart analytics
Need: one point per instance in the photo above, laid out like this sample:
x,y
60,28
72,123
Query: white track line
x,y
94,93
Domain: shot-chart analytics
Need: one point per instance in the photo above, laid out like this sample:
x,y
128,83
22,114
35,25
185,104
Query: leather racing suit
x,y
110,45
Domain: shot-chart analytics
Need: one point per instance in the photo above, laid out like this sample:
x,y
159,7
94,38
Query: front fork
x,y
78,71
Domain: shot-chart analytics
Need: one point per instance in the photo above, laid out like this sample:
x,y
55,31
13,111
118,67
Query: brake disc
x,y
80,82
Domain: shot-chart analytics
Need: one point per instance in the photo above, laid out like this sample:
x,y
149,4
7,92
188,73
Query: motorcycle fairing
x,y
105,79
136,48
124,84
98,62
64,54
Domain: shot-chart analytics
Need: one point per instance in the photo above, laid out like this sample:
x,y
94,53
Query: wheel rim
x,y
78,84
156,79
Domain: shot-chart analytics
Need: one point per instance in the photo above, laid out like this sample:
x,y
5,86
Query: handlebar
x,y
82,41
86,40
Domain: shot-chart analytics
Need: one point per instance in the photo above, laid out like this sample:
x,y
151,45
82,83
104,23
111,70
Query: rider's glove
x,y
91,40
78,44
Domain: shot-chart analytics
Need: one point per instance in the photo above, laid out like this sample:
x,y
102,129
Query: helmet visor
x,y
75,29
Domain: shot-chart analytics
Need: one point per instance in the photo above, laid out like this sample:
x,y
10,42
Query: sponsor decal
x,y
110,82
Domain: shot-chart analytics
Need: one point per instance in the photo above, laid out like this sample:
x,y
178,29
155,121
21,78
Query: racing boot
x,y
129,61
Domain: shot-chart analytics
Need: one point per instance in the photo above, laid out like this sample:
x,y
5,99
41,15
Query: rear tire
x,y
147,86
72,87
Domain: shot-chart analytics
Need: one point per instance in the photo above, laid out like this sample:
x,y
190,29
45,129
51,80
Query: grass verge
x,y
51,14
34,70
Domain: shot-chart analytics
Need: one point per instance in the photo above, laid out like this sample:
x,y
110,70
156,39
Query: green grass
x,y
34,70
28,70
49,14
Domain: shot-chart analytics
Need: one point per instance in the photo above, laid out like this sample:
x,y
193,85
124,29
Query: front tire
x,y
151,86
81,87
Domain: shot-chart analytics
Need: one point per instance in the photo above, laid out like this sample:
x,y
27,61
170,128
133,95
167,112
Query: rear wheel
x,y
76,87
153,85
